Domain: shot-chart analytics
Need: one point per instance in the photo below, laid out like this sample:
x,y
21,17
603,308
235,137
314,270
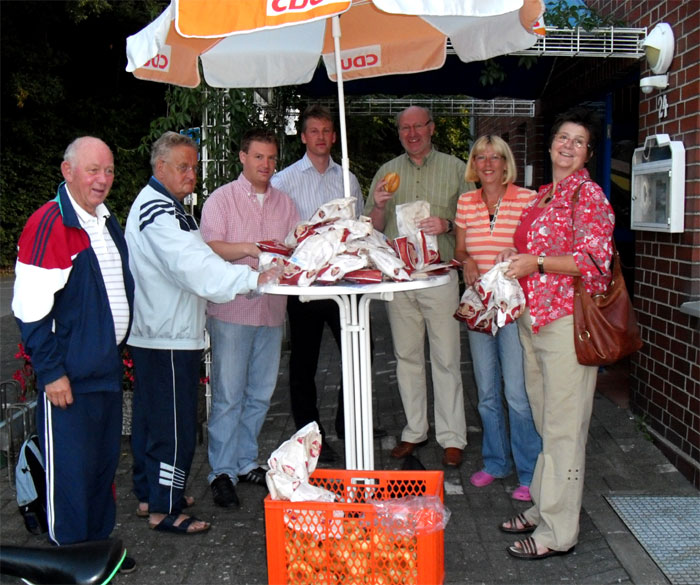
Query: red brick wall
x,y
666,372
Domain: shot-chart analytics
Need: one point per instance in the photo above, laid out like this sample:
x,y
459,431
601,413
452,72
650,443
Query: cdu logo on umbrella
x,y
161,62
276,7
354,59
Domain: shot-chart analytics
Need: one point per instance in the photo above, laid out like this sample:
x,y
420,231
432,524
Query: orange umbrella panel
x,y
218,18
374,43
177,61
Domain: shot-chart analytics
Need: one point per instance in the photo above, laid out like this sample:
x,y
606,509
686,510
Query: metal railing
x,y
609,41
439,106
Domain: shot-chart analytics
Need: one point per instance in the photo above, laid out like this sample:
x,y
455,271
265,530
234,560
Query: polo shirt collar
x,y
101,211
248,186
426,160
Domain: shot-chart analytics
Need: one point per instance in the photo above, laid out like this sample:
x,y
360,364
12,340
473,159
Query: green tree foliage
x,y
62,68
563,14
221,116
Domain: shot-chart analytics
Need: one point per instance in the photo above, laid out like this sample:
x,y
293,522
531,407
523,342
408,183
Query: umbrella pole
x,y
345,160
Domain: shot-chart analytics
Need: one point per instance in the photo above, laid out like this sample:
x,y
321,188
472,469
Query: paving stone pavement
x,y
620,460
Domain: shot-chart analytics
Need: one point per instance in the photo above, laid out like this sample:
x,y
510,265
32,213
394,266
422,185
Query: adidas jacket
x,y
176,273
60,300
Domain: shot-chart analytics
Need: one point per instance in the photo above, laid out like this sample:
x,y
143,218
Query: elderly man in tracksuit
x,y
176,273
73,303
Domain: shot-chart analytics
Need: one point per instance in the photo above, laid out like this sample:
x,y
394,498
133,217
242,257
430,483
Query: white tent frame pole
x,y
345,160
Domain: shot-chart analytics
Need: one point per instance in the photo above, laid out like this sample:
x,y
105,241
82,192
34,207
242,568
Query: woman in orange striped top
x,y
485,222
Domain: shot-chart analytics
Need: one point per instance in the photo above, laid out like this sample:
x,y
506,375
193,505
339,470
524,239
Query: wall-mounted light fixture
x,y
658,47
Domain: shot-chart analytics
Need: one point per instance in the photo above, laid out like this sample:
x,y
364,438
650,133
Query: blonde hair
x,y
499,146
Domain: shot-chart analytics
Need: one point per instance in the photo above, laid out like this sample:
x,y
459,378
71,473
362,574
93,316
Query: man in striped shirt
x,y
73,302
312,181
246,333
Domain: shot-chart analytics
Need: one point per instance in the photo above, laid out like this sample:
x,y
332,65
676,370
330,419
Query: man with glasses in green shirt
x,y
438,178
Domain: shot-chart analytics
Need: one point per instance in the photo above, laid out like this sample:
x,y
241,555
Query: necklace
x,y
492,218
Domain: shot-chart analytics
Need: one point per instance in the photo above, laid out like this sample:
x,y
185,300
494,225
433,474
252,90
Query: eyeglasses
x,y
578,143
482,158
404,129
182,168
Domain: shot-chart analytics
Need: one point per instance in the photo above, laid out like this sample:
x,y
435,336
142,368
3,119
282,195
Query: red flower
x,y
25,374
128,377
20,378
22,354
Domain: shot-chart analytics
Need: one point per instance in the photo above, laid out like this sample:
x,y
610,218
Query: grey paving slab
x,y
620,462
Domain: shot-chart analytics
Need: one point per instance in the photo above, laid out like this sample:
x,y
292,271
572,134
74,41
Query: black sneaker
x,y
128,565
256,476
328,454
224,492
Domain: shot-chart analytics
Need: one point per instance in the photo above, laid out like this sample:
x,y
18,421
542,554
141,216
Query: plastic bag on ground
x,y
291,465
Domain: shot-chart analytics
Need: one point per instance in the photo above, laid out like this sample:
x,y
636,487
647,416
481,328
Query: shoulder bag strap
x,y
615,261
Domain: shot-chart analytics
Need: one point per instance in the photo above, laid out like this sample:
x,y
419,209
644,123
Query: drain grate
x,y
669,530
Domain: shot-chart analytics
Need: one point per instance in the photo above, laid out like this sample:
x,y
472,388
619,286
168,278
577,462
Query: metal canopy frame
x,y
458,107
618,42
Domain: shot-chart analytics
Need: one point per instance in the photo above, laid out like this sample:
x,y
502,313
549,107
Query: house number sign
x,y
662,106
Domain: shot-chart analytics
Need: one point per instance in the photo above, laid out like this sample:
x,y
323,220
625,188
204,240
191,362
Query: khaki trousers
x,y
561,397
410,315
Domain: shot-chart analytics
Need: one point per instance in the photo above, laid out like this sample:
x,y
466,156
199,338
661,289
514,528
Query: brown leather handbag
x,y
605,327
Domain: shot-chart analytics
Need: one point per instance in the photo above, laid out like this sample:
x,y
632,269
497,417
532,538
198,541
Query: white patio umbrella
x,y
269,43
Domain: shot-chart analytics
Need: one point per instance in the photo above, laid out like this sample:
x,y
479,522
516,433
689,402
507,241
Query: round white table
x,y
355,352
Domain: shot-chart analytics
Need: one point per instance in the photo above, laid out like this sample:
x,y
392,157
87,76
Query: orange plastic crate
x,y
342,543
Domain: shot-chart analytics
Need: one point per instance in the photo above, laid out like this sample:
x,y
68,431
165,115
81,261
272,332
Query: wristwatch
x,y
540,263
450,226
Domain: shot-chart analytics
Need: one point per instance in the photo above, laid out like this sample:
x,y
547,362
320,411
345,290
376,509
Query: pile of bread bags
x,y
334,246
493,301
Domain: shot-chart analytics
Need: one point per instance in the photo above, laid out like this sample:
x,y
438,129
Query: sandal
x,y
528,550
511,526
143,512
167,524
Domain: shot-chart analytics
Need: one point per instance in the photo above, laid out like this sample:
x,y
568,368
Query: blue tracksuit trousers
x,y
81,452
164,425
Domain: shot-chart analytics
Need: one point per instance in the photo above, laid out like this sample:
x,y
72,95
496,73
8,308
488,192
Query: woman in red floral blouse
x,y
554,243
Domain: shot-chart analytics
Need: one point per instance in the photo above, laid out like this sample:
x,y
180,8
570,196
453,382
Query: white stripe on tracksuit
x,y
49,466
174,471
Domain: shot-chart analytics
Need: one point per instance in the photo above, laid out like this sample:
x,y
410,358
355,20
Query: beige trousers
x,y
561,396
410,315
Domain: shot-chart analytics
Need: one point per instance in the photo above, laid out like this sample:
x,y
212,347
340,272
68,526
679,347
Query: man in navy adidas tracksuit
x,y
73,302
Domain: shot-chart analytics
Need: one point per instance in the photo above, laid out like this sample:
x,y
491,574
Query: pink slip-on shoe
x,y
481,479
522,493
